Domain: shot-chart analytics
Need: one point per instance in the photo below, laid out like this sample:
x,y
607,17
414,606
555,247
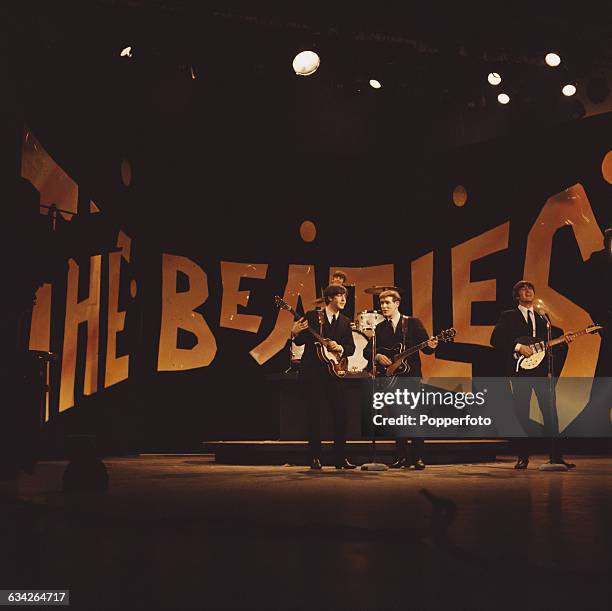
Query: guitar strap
x,y
404,330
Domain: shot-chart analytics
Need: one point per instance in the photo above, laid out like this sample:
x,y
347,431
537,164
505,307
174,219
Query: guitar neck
x,y
316,335
563,338
407,353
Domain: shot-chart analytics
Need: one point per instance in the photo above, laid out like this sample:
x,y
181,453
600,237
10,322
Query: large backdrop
x,y
165,324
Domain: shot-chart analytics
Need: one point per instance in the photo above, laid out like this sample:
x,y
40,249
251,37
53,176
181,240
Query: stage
x,y
182,532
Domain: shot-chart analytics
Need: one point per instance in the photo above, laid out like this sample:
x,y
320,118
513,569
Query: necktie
x,y
531,323
390,322
334,320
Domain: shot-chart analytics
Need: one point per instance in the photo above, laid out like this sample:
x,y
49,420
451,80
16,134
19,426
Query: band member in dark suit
x,y
518,322
409,331
320,387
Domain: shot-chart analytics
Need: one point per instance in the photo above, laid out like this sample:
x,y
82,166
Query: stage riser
x,y
279,453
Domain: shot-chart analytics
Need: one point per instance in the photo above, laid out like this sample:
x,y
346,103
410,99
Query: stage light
x,y
126,52
552,60
306,63
568,90
193,73
494,78
503,98
375,84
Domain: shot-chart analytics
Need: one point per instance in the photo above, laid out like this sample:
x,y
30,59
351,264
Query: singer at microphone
x,y
517,334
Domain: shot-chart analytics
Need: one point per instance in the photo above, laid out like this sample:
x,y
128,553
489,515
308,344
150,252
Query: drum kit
x,y
363,328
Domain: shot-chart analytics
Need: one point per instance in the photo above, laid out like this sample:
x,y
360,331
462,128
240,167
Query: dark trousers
x,y
522,388
417,446
325,392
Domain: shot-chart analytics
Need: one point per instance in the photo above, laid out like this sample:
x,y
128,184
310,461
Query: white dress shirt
x,y
330,317
395,319
525,312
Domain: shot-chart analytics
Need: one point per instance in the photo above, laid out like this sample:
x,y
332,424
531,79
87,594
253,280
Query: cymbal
x,y
377,290
319,301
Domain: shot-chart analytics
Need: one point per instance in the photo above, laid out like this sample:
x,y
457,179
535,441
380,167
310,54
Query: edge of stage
x,y
269,452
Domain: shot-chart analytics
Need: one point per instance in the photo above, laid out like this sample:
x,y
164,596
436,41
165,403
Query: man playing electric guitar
x,y
408,331
512,337
319,385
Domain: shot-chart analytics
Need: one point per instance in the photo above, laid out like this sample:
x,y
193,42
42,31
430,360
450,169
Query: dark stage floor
x,y
180,532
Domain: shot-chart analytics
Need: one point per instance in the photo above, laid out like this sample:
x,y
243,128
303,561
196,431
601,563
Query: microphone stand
x,y
552,404
374,465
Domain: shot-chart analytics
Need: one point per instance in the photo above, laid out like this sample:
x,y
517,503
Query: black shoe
x,y
315,463
561,461
419,465
521,463
398,463
345,464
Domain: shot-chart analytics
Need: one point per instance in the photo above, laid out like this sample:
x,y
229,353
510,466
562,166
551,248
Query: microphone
x,y
541,312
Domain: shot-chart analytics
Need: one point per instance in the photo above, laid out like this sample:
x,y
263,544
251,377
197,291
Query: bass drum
x,y
296,354
356,363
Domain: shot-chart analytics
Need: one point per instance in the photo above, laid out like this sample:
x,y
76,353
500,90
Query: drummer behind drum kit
x,y
363,331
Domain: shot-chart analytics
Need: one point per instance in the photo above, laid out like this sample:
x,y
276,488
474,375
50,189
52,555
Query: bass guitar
x,y
337,365
398,354
540,348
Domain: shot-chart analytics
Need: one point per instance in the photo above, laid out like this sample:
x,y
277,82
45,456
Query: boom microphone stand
x,y
552,404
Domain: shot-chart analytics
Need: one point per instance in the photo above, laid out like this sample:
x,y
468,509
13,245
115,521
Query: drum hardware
x,y
367,321
378,289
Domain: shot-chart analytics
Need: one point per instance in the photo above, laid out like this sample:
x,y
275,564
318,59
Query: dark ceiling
x,y
62,59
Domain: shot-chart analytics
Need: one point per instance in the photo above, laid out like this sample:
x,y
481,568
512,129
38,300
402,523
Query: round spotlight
x,y
375,84
552,60
306,63
494,78
503,98
568,90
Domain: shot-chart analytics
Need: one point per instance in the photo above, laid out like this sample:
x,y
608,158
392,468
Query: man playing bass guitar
x,y
319,385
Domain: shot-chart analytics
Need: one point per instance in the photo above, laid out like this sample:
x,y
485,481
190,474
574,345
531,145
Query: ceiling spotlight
x,y
306,63
503,98
568,90
193,72
126,52
494,78
375,84
552,60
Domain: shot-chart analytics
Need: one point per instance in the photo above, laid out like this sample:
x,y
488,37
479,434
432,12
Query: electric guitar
x,y
337,365
398,354
540,348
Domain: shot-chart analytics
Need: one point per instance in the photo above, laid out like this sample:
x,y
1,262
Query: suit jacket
x,y
509,327
415,334
343,335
